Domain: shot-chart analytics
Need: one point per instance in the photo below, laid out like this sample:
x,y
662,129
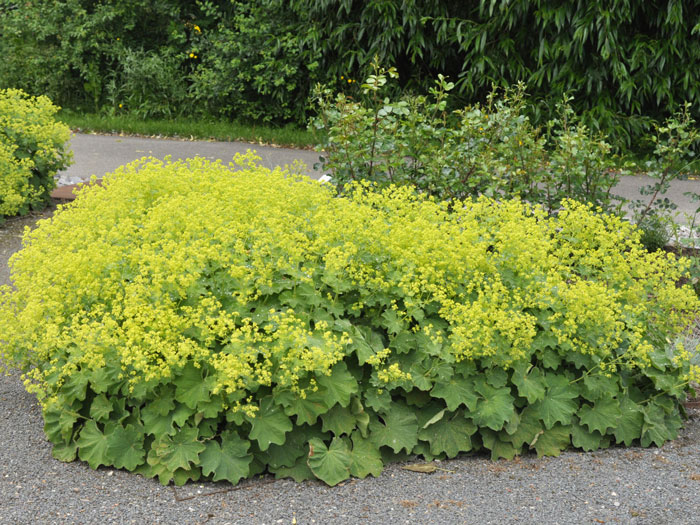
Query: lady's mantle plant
x,y
190,320
32,151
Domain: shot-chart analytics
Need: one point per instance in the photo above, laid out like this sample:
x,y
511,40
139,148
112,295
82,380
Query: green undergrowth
x,y
189,128
195,320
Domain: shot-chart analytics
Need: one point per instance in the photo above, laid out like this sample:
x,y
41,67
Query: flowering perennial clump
x,y
193,319
32,151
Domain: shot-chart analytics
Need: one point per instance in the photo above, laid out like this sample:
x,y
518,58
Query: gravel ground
x,y
620,485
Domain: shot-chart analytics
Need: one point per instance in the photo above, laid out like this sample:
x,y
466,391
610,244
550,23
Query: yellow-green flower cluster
x,y
263,278
32,150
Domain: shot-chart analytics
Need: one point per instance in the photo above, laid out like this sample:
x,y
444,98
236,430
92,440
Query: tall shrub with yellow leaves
x,y
32,150
194,319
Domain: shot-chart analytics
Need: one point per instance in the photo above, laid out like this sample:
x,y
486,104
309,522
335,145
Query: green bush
x,y
491,149
189,319
242,60
32,151
253,65
624,64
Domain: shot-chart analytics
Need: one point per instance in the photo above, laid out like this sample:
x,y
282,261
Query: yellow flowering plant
x,y
192,319
32,150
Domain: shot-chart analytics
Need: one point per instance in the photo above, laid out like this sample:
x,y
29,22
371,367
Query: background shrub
x,y
163,59
32,151
624,67
189,320
491,149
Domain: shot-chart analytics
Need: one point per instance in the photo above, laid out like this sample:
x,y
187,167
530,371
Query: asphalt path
x,y
101,154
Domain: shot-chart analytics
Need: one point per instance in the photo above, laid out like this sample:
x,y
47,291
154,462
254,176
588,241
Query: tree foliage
x,y
624,62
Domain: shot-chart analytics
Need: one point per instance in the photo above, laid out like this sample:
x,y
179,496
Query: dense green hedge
x,y
32,150
160,59
190,320
623,62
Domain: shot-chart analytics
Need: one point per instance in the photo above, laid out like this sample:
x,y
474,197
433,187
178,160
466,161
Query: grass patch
x,y
288,135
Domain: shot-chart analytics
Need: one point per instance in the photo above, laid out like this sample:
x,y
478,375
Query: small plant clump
x,y
32,151
491,149
191,319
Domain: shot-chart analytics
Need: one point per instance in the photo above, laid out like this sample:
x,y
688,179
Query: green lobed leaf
x,y
399,429
100,408
654,428
365,458
361,417
106,379
599,385
366,343
191,388
65,452
499,444
528,427
75,387
496,377
93,444
417,398
229,460
340,385
529,381
339,420
294,446
212,407
584,439
560,401
604,414
299,471
378,402
59,422
421,372
182,476
305,409
494,406
157,424
329,464
629,425
120,413
550,358
269,424
450,434
422,449
457,391
403,342
552,441
162,405
666,382
125,445
155,467
430,414
180,451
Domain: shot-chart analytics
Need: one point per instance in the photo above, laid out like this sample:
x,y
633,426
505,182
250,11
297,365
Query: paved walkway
x,y
100,154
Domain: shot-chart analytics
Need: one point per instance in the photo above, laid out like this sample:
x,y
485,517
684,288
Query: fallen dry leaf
x,y
424,468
